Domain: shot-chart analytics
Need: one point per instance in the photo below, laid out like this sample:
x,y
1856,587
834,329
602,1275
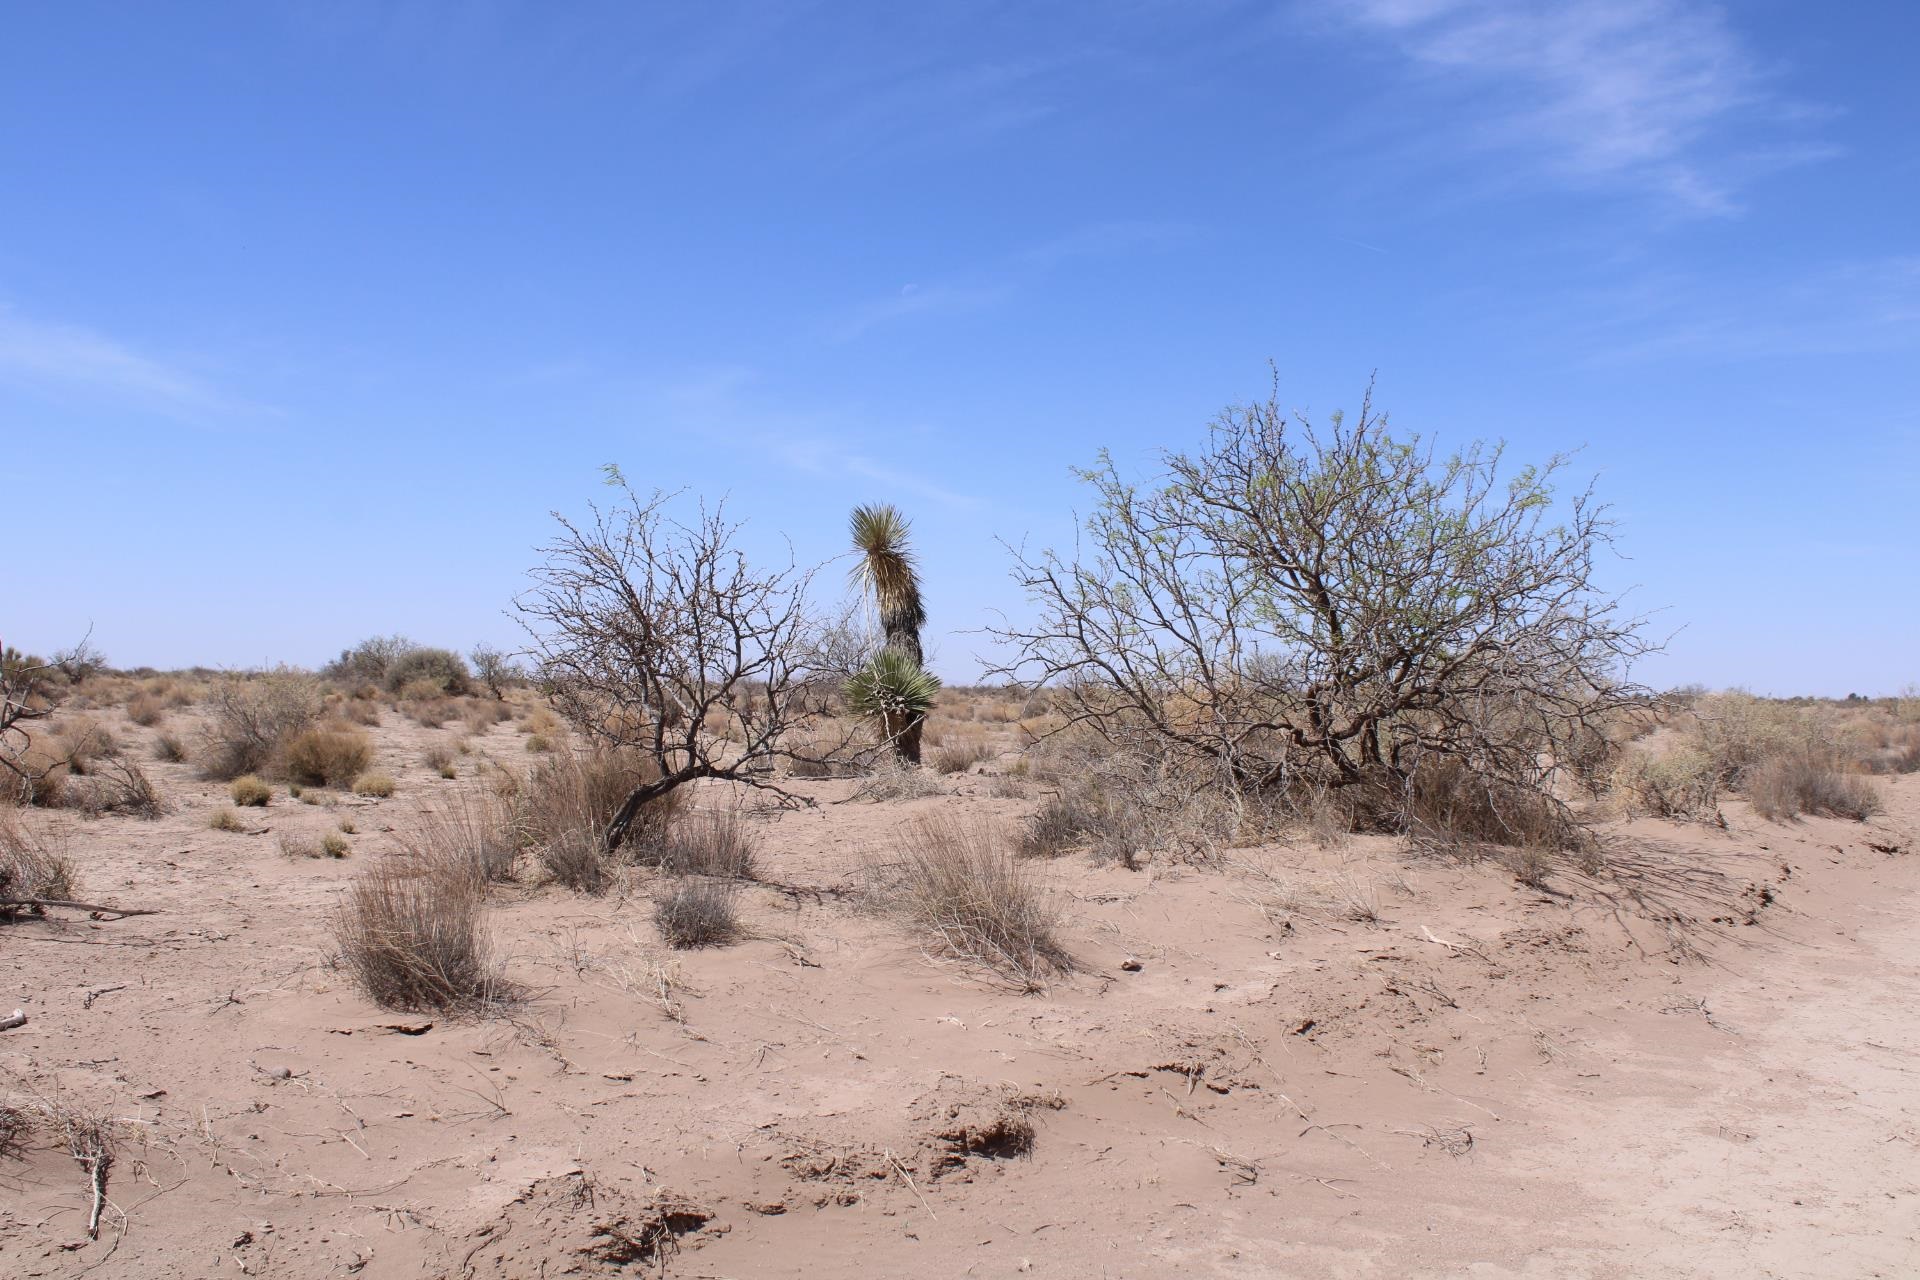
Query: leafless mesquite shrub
x,y
410,932
251,719
972,900
328,755
654,634
496,670
116,784
697,913
31,690
1329,608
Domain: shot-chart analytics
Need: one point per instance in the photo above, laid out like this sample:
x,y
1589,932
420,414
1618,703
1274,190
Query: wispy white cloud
x,y
913,300
1005,278
1649,94
70,360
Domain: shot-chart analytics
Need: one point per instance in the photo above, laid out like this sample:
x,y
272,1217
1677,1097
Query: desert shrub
x,y
46,775
168,749
439,758
1448,803
1327,607
308,795
329,754
569,799
697,913
250,719
147,710
410,934
249,791
495,669
115,784
32,865
972,900
716,844
369,661
442,669
959,757
1786,786
334,844
361,712
83,741
1680,782
538,744
226,818
374,785
1738,732
306,845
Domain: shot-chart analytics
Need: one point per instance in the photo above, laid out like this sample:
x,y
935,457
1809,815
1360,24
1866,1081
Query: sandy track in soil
x,y
1280,1089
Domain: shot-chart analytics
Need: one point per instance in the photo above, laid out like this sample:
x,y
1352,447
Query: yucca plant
x,y
894,691
886,572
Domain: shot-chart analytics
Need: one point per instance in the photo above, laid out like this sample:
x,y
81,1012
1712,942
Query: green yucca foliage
x,y
885,571
894,690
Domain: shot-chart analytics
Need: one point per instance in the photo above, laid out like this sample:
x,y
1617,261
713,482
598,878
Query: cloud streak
x,y
67,360
1633,93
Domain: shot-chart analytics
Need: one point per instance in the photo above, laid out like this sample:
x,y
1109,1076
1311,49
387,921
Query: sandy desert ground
x,y
1305,1059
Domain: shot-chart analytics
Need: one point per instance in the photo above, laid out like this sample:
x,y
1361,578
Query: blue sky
x,y
310,314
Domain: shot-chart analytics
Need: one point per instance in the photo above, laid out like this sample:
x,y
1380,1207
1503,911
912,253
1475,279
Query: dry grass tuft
x,y
480,836
714,844
250,792
410,933
893,780
33,865
567,802
226,818
168,749
973,901
959,757
329,755
697,913
146,710
376,786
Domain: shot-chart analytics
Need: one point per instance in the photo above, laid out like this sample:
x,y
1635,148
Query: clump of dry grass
x,y
146,710
972,900
329,844
959,757
893,780
329,754
377,786
33,864
410,932
480,836
714,844
567,802
697,913
168,749
1787,786
226,818
439,758
249,792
